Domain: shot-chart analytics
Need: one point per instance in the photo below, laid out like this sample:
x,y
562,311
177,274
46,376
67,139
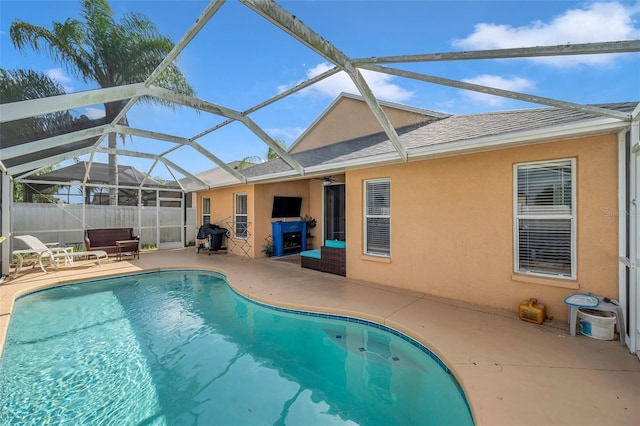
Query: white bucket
x,y
597,324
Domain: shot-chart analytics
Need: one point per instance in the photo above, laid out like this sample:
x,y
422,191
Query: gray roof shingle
x,y
446,130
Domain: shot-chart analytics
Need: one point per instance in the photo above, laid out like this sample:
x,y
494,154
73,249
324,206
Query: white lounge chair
x,y
53,254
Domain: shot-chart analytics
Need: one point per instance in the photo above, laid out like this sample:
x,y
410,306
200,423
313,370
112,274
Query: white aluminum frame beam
x,y
24,109
181,142
129,153
53,142
220,110
501,92
269,101
49,161
634,239
625,46
202,20
278,16
275,14
148,134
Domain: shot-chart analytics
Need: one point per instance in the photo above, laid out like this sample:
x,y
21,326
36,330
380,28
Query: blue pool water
x,y
182,348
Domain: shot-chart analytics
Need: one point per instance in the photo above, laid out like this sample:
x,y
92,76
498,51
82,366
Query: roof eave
x,y
486,143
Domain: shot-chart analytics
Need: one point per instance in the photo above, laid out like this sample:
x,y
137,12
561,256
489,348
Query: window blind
x,y
206,210
241,216
378,217
545,218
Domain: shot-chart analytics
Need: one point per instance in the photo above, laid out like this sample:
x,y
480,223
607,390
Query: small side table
x,y
128,248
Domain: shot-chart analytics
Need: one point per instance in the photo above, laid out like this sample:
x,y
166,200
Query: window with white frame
x,y
206,210
240,215
377,217
545,219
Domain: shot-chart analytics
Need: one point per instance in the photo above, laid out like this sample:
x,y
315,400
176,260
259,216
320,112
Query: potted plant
x,y
311,223
267,246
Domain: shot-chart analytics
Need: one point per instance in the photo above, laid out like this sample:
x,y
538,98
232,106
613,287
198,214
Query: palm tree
x,y
254,159
21,85
100,49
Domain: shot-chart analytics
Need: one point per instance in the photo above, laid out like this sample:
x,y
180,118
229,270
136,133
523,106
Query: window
x,y
377,217
545,220
241,216
206,210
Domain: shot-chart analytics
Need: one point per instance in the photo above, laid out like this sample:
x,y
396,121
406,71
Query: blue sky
x,y
239,60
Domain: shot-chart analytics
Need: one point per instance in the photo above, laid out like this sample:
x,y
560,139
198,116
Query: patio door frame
x,y
329,213
629,226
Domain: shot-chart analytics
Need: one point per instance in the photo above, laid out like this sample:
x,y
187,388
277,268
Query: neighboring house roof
x,y
99,174
532,125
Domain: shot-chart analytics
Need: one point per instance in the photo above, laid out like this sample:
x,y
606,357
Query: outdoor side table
x,y
128,248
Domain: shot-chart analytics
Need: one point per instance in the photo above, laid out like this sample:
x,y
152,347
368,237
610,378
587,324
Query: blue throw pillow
x,y
335,244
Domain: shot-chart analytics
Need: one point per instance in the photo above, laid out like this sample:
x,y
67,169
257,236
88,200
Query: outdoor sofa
x,y
330,258
105,239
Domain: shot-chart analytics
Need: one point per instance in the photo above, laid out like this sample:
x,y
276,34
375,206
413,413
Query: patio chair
x,y
52,253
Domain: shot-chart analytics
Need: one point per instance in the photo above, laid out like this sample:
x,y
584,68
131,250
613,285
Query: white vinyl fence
x,y
162,227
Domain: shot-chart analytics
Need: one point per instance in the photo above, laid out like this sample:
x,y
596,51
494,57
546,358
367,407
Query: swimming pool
x,y
181,347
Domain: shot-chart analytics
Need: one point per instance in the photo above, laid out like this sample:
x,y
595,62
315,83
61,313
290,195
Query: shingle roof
x,y
464,127
217,175
446,130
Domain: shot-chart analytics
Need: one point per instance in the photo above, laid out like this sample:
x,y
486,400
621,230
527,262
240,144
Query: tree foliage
x,y
100,49
254,159
22,85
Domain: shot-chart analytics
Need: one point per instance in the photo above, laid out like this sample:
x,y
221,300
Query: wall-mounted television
x,y
286,206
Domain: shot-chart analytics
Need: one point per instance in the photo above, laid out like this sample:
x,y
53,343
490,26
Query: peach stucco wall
x,y
259,204
452,226
349,119
222,208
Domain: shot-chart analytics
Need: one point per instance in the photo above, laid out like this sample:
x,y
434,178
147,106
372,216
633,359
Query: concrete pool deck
x,y
513,372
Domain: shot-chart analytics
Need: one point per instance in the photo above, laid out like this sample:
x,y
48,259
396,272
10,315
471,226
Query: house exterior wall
x,y
263,200
259,205
222,211
349,119
452,226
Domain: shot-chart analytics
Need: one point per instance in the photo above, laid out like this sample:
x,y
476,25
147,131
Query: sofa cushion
x,y
335,244
315,254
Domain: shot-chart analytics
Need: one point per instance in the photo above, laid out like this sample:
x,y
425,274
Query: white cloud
x,y
331,87
94,113
514,84
286,133
596,22
60,77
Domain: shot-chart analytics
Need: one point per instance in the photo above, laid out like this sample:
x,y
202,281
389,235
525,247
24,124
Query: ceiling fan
x,y
325,179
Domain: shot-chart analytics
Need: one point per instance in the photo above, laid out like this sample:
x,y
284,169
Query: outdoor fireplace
x,y
289,237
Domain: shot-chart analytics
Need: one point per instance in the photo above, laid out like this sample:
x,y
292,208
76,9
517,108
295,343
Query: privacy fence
x,y
161,227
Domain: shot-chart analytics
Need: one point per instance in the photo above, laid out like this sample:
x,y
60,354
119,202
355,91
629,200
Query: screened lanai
x,y
84,166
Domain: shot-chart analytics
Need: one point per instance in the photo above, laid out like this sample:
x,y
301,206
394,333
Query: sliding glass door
x,y
334,208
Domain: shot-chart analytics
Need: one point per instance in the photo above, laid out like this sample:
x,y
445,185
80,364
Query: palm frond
x,y
249,161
